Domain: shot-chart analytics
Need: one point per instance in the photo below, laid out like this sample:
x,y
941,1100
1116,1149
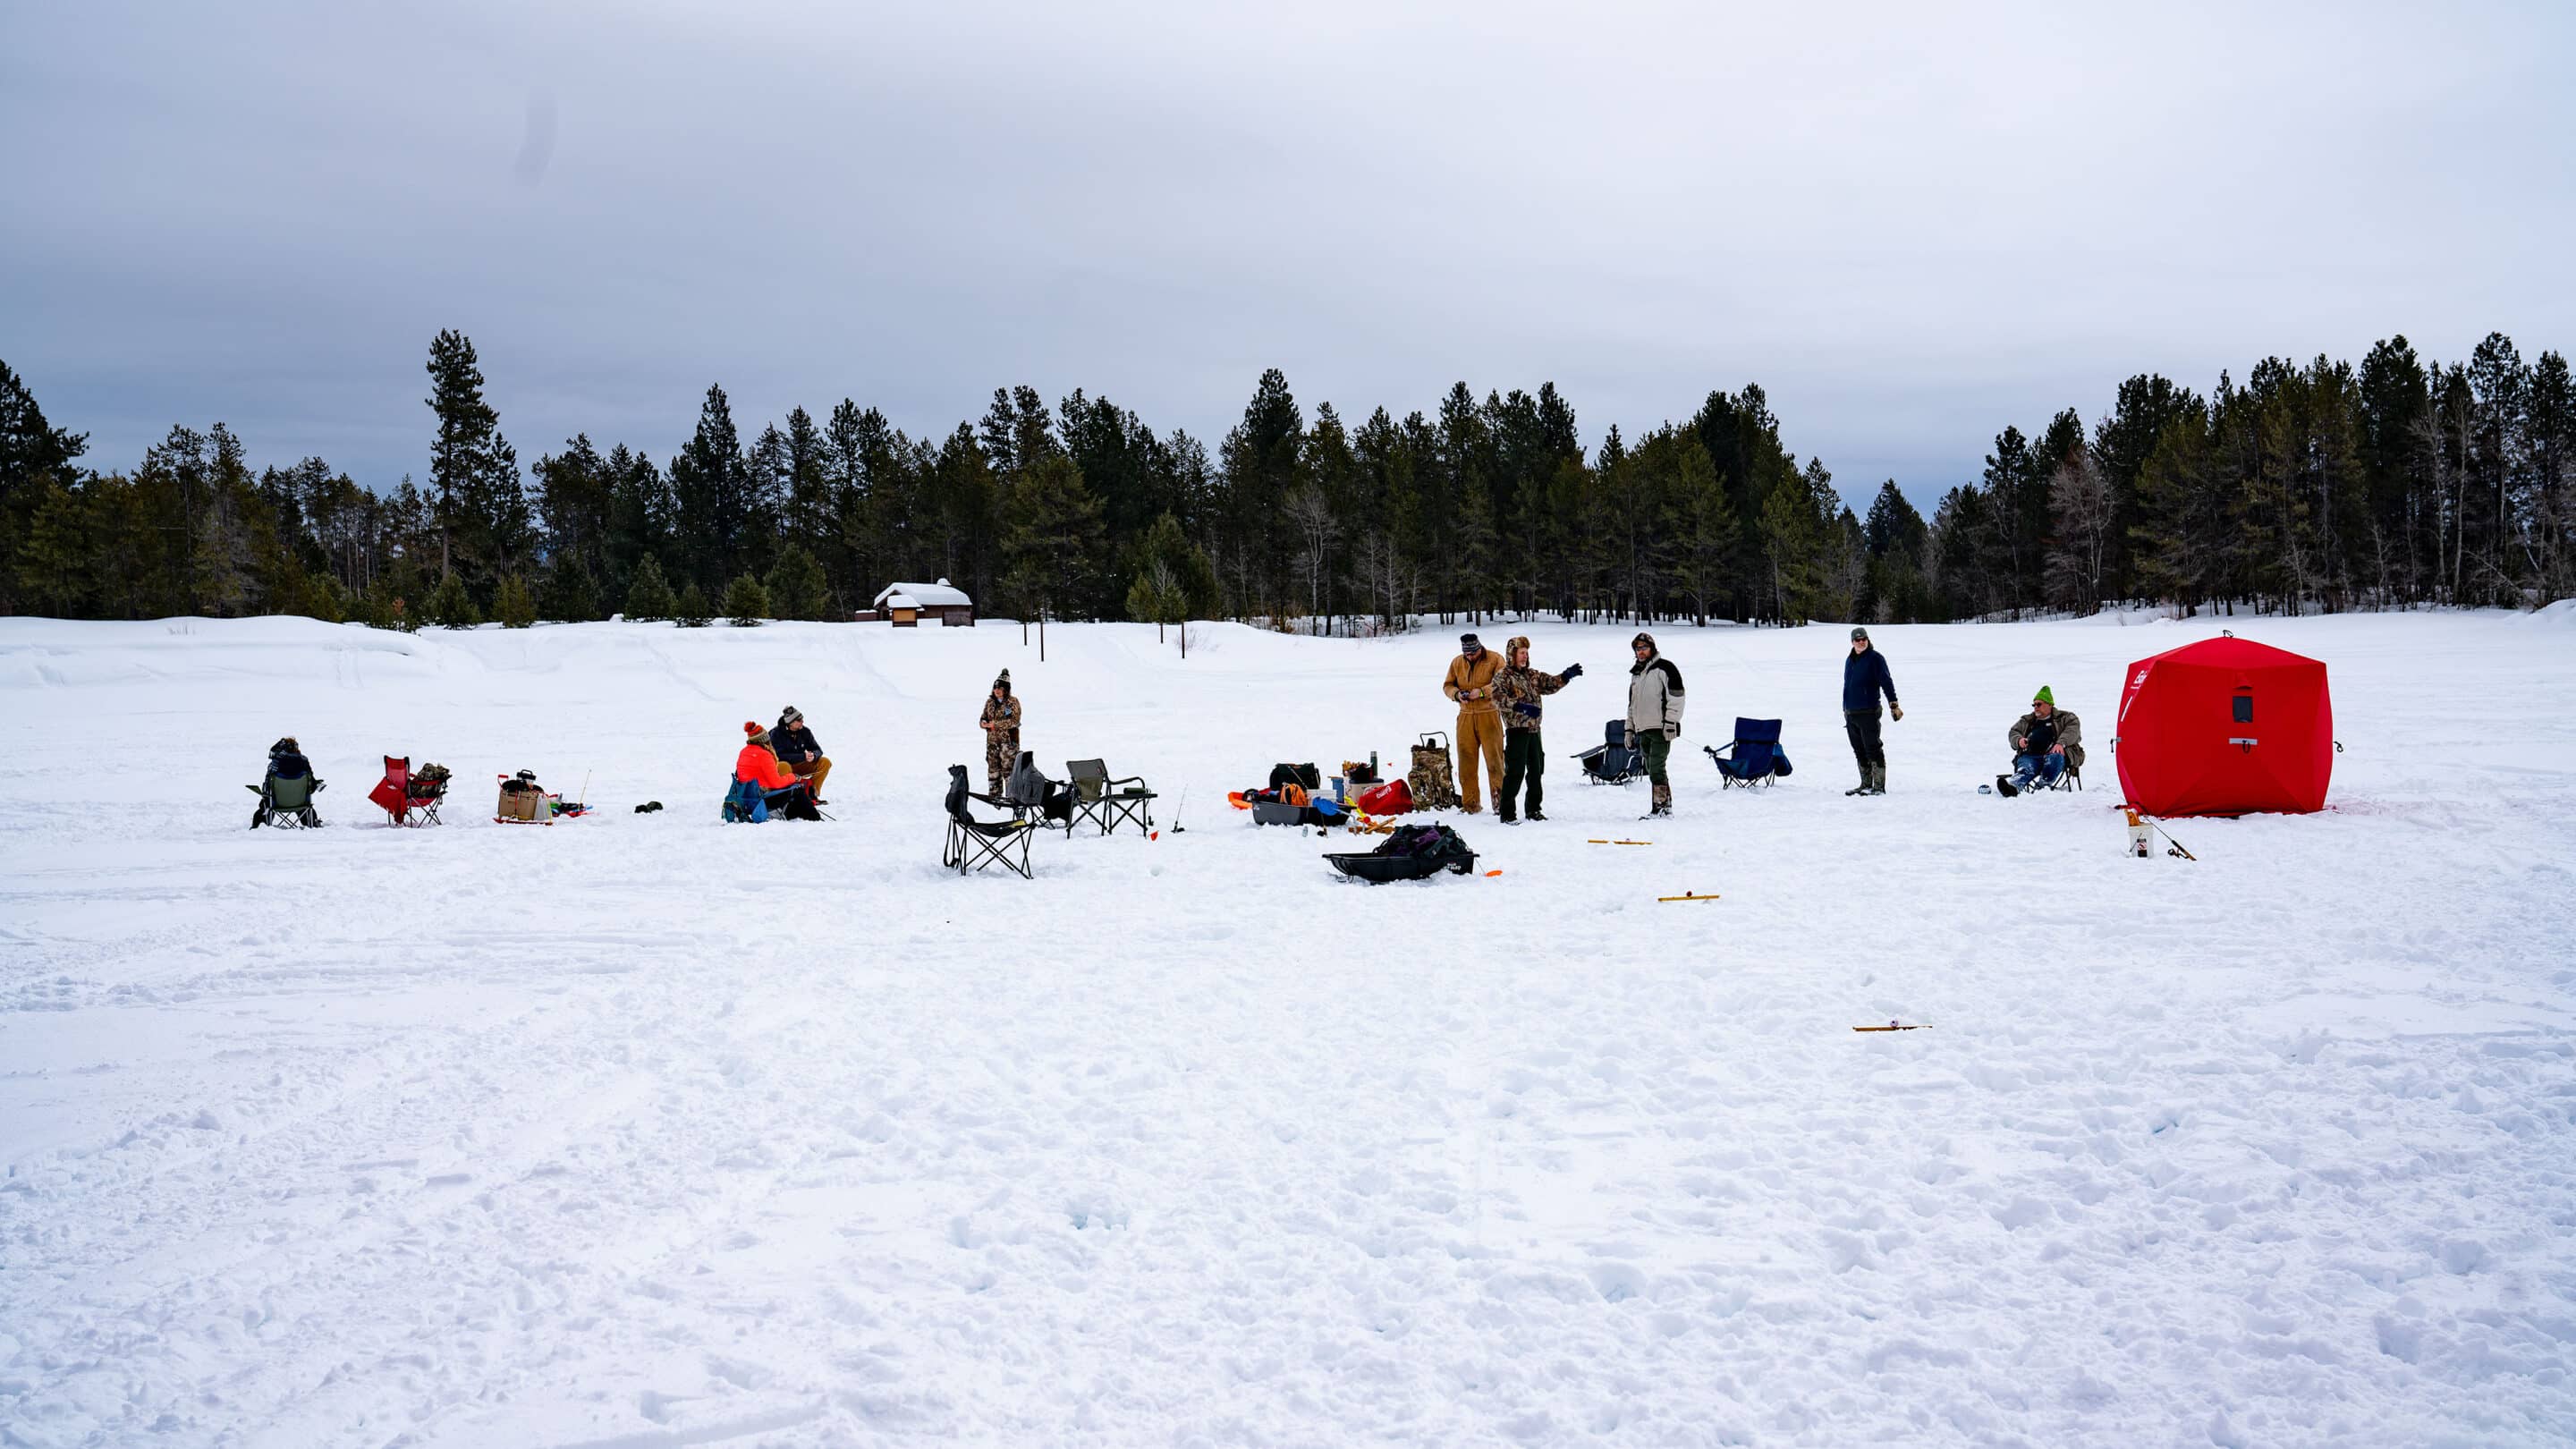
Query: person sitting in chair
x,y
2046,743
286,760
758,765
796,749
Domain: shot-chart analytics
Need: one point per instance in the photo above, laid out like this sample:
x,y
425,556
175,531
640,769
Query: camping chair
x,y
1097,798
286,801
748,802
1753,757
2070,778
1031,797
410,798
974,844
1611,762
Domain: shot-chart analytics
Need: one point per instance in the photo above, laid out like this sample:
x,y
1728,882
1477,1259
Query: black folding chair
x,y
1102,800
974,844
1612,762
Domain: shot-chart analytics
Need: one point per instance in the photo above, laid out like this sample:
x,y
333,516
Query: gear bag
x,y
1434,786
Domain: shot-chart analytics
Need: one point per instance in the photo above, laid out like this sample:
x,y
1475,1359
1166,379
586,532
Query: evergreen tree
x,y
1156,595
647,595
796,588
1054,545
691,611
1898,543
1166,551
32,451
449,606
746,602
712,493
484,522
513,604
53,568
571,594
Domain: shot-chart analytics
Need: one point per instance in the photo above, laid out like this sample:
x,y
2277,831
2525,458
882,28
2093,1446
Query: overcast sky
x,y
1911,228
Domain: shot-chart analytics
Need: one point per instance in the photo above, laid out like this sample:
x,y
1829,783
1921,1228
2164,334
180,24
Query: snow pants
x,y
1522,760
1001,751
1657,750
1480,740
1867,749
812,772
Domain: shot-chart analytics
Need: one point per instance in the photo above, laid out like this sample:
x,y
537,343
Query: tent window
x,y
2244,704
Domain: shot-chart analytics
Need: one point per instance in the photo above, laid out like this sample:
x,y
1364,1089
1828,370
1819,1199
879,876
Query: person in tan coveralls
x,y
1480,720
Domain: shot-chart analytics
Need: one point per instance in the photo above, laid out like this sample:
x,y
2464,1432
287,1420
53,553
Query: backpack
x,y
1433,786
1432,842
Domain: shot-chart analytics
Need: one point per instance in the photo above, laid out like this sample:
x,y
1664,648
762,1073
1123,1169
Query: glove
x,y
1672,732
1632,739
1895,710
1572,671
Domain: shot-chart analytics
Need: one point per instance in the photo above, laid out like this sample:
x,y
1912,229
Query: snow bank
x,y
647,1130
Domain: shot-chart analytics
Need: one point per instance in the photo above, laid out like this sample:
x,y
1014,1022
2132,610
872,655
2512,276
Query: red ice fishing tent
x,y
2225,727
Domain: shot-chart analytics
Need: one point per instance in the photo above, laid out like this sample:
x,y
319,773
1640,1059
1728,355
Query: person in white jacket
x,y
1654,715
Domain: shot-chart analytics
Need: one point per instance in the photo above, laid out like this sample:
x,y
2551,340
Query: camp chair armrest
x,y
1124,780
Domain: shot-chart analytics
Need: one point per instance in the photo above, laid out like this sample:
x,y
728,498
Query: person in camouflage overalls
x,y
1001,722
1518,690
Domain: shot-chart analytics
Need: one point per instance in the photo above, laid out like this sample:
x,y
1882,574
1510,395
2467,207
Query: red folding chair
x,y
408,798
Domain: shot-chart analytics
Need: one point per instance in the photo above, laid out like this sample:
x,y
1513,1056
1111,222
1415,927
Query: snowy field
x,y
645,1131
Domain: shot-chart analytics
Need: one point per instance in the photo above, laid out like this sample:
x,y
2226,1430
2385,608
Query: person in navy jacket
x,y
1865,677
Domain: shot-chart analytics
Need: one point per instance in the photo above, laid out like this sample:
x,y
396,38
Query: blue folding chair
x,y
1753,757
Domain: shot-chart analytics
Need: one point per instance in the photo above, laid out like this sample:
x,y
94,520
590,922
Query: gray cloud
x,y
1911,228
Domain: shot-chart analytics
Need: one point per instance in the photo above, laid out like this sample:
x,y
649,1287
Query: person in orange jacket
x,y
758,765
1470,682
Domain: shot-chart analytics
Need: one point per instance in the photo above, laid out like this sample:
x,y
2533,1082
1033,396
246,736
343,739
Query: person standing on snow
x,y
1518,689
1654,715
1001,723
1865,676
2047,742
1480,724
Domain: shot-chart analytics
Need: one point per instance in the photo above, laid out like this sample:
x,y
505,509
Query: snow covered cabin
x,y
906,605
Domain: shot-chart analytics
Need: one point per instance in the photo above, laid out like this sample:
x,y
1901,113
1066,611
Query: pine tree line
x,y
2322,487
2398,484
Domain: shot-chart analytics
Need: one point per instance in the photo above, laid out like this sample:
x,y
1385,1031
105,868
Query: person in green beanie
x,y
2046,743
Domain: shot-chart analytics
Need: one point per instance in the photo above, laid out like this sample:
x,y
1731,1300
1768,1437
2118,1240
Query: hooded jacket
x,y
1519,688
794,743
757,765
1655,696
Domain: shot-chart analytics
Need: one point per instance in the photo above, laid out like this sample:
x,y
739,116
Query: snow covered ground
x,y
643,1130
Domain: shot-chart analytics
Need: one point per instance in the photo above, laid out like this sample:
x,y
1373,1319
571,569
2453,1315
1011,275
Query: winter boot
x,y
1505,815
2004,786
1663,801
1878,779
1535,816
1863,787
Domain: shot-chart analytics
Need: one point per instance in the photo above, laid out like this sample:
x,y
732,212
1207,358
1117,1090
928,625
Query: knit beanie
x,y
1004,681
2044,697
1646,639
